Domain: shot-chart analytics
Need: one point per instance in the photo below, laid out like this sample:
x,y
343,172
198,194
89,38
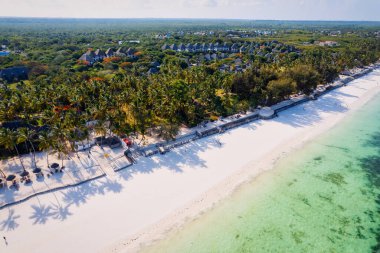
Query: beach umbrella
x,y
24,173
11,177
54,165
36,170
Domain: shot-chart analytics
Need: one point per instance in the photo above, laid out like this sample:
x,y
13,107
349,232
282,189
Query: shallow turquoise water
x,y
324,198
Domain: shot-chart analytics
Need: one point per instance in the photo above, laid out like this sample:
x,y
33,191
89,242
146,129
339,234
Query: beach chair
x,y
14,184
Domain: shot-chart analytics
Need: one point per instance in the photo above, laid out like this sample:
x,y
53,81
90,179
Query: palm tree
x,y
8,139
100,129
59,137
1,171
25,135
3,174
62,151
45,144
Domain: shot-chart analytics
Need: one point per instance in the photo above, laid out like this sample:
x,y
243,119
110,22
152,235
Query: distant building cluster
x,y
204,47
327,43
226,33
265,49
92,56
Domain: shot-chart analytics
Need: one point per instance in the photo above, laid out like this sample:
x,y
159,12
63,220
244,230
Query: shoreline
x,y
195,134
228,186
129,210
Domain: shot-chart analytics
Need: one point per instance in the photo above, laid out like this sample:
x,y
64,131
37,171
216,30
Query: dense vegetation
x,y
51,109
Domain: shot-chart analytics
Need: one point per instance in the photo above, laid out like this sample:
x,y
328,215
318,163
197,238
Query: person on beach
x,y
5,240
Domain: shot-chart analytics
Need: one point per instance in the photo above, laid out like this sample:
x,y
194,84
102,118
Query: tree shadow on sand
x,y
73,196
76,195
175,160
340,93
60,212
79,195
41,214
109,186
178,158
10,222
310,113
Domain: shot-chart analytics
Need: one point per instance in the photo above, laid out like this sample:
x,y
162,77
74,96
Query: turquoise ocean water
x,y
323,198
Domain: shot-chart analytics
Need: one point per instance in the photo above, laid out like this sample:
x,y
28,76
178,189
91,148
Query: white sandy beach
x,y
131,208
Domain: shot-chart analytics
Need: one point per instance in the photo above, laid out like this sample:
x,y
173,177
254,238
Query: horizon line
x,y
172,18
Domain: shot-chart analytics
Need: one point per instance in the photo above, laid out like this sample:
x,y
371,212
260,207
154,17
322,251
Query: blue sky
x,y
236,9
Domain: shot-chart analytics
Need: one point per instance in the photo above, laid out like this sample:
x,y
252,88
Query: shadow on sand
x,y
10,223
310,114
59,209
188,155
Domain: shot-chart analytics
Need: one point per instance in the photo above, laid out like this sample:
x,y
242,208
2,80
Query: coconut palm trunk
x,y
45,143
47,158
24,135
19,157
2,173
34,154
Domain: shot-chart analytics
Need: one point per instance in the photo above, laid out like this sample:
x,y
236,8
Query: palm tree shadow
x,y
109,185
10,222
176,159
343,94
61,212
188,155
57,177
77,174
41,214
8,195
75,196
310,113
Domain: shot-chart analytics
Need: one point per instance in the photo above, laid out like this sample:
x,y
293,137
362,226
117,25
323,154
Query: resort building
x,y
99,55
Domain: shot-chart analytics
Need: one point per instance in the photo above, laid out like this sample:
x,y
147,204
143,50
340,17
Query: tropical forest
x,y
139,77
